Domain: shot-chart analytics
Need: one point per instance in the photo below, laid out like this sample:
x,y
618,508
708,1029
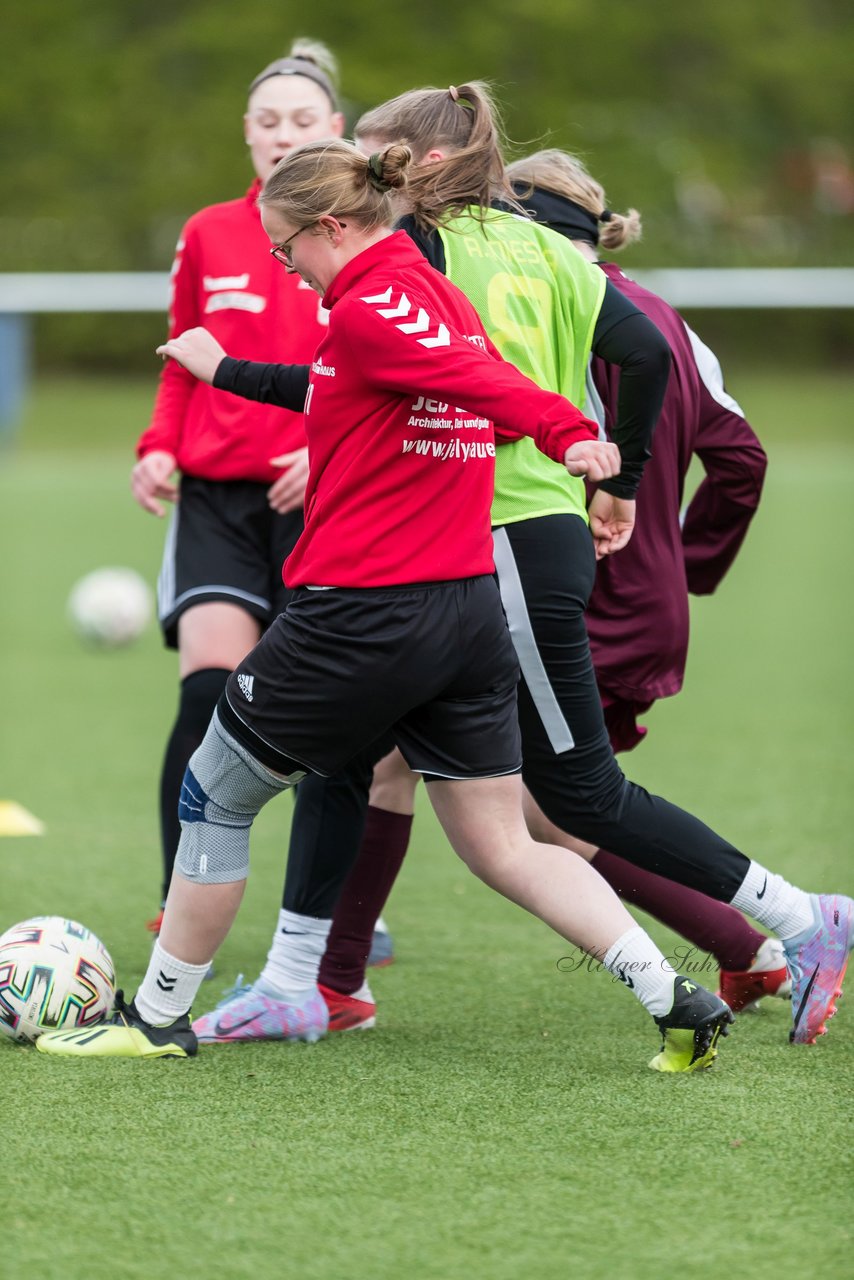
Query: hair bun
x,y
375,172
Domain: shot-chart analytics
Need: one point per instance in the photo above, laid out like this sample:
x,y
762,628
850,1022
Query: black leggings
x,y
545,570
582,788
326,832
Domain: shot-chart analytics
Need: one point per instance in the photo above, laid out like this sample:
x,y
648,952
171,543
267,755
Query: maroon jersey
x,y
638,614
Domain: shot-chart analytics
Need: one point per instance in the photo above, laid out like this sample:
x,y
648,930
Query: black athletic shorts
x,y
431,662
224,543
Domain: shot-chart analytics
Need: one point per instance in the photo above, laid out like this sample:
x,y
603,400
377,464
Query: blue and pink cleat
x,y
248,1014
817,960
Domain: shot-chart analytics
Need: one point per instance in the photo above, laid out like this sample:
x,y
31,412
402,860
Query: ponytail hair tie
x,y
461,102
375,173
606,215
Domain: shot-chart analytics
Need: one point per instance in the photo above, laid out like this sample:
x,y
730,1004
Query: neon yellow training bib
x,y
539,300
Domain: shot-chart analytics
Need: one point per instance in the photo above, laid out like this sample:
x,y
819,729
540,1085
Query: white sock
x,y
293,961
168,988
774,902
381,926
636,960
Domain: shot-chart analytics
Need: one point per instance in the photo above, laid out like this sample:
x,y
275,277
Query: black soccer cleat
x,y
691,1030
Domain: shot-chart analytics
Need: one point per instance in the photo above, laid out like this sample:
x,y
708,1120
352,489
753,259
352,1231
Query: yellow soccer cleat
x,y
691,1030
123,1035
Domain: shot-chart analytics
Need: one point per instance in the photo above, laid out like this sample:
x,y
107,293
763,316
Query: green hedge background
x,y
730,126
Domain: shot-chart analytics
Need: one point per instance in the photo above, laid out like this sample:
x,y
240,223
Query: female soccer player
x,y
243,466
542,307
396,620
637,617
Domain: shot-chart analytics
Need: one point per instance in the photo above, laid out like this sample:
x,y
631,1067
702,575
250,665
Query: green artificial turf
x,y
501,1121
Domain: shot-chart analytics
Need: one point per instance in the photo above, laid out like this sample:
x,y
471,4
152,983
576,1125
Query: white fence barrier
x,y
24,294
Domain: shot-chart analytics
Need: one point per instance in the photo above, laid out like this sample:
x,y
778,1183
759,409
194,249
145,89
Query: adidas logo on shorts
x,y
246,683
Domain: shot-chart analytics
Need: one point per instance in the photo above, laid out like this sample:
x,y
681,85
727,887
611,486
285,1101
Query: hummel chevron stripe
x,y
403,308
442,338
421,324
380,297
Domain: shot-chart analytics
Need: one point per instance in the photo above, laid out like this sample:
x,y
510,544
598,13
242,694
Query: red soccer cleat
x,y
153,926
350,1013
767,976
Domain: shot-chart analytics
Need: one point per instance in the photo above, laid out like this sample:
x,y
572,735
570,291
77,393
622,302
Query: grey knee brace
x,y
223,789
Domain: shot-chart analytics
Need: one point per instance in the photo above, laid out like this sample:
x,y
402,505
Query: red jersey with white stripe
x,y
403,392
225,279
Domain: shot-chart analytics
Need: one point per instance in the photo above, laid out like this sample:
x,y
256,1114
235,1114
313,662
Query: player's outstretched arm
x,y
197,350
598,460
625,337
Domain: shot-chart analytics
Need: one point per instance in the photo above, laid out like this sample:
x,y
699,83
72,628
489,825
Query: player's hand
x,y
150,480
611,522
598,460
288,492
197,350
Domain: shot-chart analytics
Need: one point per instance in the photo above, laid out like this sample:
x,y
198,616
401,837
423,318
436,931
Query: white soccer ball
x,y
53,973
110,606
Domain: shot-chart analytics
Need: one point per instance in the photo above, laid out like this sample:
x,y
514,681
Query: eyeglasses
x,y
284,252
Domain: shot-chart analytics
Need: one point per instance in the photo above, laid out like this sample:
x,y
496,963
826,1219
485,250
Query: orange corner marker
x,y
15,820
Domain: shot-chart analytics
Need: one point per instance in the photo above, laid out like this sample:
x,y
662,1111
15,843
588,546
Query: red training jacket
x,y
401,478
225,279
